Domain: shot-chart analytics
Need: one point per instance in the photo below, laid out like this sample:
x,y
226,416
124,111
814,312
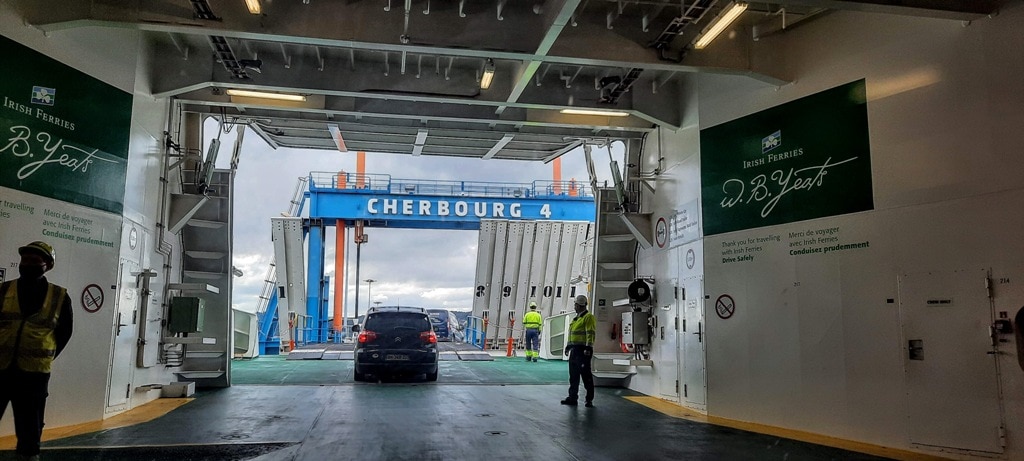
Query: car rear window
x,y
391,320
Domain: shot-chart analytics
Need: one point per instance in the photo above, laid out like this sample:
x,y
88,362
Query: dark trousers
x,y
532,339
579,367
27,394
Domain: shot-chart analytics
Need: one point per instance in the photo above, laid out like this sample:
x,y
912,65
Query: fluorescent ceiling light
x,y
336,135
488,76
254,6
265,95
606,113
719,24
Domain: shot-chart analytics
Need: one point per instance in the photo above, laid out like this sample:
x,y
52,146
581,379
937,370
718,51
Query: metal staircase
x,y
204,220
620,231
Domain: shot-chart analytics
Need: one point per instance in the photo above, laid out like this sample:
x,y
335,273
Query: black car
x,y
396,341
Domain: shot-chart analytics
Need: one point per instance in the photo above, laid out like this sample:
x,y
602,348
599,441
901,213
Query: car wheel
x,y
432,376
360,376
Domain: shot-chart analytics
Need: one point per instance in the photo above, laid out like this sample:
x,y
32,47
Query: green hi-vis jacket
x,y
582,330
30,341
533,319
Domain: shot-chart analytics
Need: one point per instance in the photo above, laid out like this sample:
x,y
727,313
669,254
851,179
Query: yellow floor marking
x,y
676,411
144,413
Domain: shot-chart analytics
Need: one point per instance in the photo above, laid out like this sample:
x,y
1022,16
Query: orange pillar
x,y
339,265
360,170
556,174
511,341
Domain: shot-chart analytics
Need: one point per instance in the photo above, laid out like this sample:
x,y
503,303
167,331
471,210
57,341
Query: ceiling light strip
x,y
254,6
488,75
719,24
606,113
266,95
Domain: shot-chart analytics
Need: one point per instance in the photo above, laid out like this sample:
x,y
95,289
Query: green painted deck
x,y
502,370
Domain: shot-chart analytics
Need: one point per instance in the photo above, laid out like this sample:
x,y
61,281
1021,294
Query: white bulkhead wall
x,y
79,384
818,343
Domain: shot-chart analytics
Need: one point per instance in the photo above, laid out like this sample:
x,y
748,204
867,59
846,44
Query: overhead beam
x,y
962,10
257,112
562,17
498,146
648,60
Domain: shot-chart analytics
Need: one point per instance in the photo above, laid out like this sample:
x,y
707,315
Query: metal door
x,y
125,332
666,338
950,370
692,330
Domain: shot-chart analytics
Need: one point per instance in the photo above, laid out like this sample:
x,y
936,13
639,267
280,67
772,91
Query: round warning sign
x,y
725,306
92,298
661,232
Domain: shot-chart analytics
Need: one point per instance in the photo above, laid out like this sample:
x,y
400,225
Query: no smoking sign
x,y
725,306
92,298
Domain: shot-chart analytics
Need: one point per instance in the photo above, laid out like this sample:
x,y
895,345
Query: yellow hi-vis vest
x,y
29,342
582,330
533,319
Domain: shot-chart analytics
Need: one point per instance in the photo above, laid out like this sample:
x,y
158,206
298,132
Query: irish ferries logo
x,y
771,141
43,95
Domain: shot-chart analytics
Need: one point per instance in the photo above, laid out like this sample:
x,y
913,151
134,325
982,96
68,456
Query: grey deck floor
x,y
446,420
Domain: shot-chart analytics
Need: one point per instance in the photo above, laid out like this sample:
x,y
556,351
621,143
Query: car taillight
x,y
366,336
428,337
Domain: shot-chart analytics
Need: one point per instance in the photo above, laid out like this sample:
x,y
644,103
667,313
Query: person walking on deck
x,y
580,350
533,323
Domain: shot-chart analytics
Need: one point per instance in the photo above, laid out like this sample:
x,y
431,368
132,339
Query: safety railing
x,y
384,183
311,335
476,331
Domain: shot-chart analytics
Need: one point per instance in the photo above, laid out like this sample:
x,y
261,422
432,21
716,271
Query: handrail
x,y
384,183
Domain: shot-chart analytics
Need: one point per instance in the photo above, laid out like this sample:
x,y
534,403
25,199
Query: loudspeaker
x,y
639,291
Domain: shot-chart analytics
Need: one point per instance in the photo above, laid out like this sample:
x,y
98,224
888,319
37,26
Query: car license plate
x,y
396,357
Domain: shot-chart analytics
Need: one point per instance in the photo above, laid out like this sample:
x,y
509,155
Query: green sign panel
x,y
805,159
63,134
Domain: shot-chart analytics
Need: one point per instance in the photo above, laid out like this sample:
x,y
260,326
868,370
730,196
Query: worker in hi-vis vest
x,y
580,350
35,325
533,323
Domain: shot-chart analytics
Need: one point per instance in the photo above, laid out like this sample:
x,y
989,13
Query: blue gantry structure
x,y
378,200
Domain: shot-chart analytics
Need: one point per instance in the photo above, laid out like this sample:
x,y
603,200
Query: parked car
x,y
446,325
396,341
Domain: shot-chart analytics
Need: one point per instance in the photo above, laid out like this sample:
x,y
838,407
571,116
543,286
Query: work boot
x,y
535,359
589,405
569,402
529,359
